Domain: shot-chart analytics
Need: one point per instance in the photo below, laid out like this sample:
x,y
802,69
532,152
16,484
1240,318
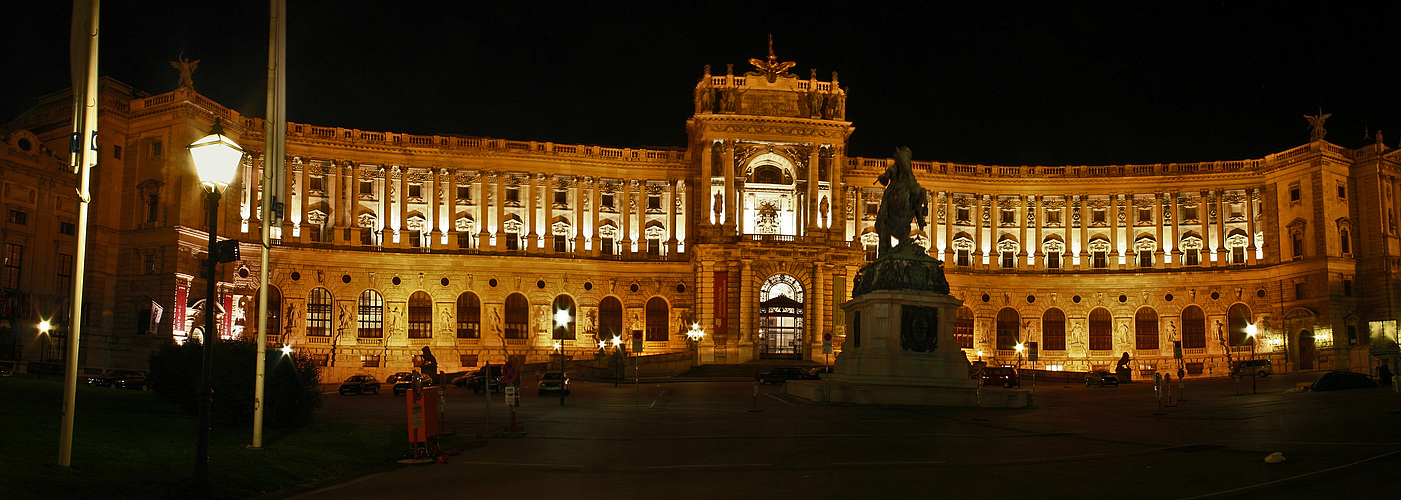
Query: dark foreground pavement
x,y
701,440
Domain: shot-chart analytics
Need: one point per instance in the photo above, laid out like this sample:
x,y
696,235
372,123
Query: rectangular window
x,y
513,194
871,253
19,217
1100,261
1053,217
512,241
67,228
464,240
116,152
415,190
467,360
654,247
415,239
560,244
1301,291
605,246
1294,193
14,258
1298,239
64,283
1097,216
148,264
369,360
1342,191
1145,258
1145,216
464,192
963,214
561,197
1009,260
654,202
1192,257
320,359
156,148
1189,213
1347,288
872,209
962,258
1345,240
606,200
153,207
316,183
367,187
1009,217
1238,255
1052,260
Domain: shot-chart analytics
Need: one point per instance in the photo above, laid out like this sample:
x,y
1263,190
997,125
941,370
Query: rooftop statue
x,y
185,67
772,68
1316,130
906,266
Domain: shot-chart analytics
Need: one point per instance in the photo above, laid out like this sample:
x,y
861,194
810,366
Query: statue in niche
x,y
823,209
393,317
719,206
1316,130
186,67
731,103
447,319
839,108
814,104
343,322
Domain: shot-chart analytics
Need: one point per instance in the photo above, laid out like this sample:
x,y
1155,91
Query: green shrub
x,y
291,395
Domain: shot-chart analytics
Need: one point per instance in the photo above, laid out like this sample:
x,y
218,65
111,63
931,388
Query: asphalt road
x,y
702,439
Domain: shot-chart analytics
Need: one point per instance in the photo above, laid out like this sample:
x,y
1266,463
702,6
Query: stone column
x,y
1115,250
727,163
594,195
812,191
1085,261
435,235
1204,217
352,208
403,202
532,218
1220,228
482,215
579,199
385,184
548,200
1173,204
1158,228
334,194
707,200
304,200
1250,194
978,246
949,220
671,202
1023,203
625,209
747,309
1039,209
817,317
835,187
501,180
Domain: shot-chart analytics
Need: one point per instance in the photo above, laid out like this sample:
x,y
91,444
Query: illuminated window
x,y
369,316
1146,329
469,317
657,318
563,309
318,313
1193,328
420,315
1053,330
963,327
517,316
1008,329
369,361
1101,330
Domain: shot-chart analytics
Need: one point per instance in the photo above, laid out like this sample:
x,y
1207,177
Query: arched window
x,y
963,327
563,330
656,319
469,316
1145,327
1237,318
1193,328
1008,329
420,315
610,318
1053,330
369,316
517,316
318,313
274,311
1101,330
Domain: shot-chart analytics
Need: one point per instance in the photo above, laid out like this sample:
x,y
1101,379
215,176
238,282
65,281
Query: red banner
x,y
226,326
181,292
721,295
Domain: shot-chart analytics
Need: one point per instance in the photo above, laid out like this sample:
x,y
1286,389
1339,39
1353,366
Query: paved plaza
x,y
703,439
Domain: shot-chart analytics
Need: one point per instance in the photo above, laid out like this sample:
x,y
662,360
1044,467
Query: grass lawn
x,y
134,444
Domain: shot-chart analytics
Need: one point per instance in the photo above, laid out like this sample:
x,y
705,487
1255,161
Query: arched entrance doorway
x,y
1306,350
781,318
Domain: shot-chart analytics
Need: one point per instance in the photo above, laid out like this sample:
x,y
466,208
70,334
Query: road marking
x,y
881,464
778,398
707,466
1291,478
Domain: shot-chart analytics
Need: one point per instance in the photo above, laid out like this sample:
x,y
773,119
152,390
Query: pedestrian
x,y
1384,373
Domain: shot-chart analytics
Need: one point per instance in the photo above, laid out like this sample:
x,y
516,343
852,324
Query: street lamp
x,y
287,349
1250,332
1019,348
695,334
216,159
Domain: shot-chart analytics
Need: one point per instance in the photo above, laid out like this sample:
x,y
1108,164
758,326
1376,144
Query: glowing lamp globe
x,y
216,157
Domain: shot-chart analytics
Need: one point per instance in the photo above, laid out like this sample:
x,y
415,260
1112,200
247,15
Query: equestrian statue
x,y
907,265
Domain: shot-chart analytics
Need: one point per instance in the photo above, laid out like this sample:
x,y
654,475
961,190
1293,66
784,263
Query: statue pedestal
x,y
900,350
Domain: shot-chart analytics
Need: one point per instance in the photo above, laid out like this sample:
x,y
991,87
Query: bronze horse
x,y
904,199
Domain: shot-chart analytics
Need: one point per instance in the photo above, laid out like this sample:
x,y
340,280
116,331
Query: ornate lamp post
x,y
216,159
1250,332
695,334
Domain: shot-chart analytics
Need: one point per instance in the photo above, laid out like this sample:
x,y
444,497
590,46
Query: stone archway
x,y
1307,352
781,330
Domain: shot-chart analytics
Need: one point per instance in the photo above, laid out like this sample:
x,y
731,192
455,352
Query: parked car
x,y
817,373
477,381
782,374
121,379
1004,376
1338,380
1261,367
397,377
404,384
554,382
1101,378
359,384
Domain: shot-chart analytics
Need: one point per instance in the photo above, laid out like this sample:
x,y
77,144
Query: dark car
x,y
1101,378
477,381
398,376
1338,380
403,385
359,384
817,373
782,374
1004,376
121,379
554,382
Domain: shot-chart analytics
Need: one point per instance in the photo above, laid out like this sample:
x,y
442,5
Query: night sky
x,y
1012,83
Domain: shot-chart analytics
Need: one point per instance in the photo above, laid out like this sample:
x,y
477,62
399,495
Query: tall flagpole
x,y
83,155
274,158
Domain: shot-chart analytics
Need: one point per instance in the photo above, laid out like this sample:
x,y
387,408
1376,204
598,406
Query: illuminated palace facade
x,y
484,249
